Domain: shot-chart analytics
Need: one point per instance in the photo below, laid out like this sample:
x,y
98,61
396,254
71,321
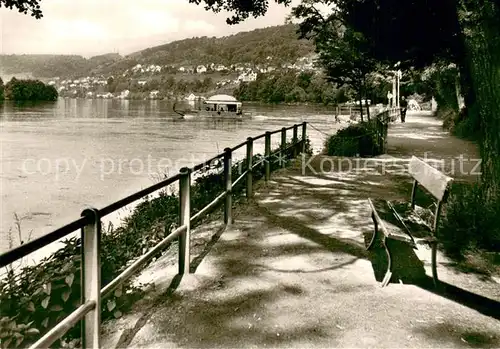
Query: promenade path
x,y
292,270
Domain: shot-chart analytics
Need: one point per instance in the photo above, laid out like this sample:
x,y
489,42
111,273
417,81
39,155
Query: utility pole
x,y
399,75
394,92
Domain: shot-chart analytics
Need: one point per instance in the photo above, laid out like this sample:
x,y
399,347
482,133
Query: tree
x,y
121,86
480,22
416,33
419,32
240,9
207,83
170,82
344,53
111,84
1,90
24,6
29,90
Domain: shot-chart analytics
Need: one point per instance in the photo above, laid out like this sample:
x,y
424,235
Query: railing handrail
x,y
90,225
23,250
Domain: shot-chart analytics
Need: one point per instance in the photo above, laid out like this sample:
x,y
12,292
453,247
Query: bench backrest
x,y
433,180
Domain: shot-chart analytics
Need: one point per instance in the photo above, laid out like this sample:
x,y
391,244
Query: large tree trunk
x,y
464,67
482,38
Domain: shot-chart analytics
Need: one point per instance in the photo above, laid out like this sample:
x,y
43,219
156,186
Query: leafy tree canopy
x,y
24,6
29,90
239,9
414,33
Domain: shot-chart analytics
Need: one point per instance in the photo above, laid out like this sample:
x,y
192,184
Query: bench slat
x,y
433,180
395,233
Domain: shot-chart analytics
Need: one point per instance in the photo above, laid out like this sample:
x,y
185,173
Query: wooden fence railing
x,y
355,110
90,225
350,109
381,125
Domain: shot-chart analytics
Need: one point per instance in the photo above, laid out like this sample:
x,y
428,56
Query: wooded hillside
x,y
277,45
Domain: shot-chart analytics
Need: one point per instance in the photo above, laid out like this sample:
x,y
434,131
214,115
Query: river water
x,y
57,159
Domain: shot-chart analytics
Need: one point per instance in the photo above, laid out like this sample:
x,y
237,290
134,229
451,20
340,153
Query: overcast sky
x,y
91,27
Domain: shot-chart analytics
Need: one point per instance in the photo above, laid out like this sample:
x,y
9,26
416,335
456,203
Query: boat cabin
x,y
223,104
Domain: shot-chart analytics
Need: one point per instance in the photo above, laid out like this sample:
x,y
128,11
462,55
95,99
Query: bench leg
x,y
388,273
375,232
434,263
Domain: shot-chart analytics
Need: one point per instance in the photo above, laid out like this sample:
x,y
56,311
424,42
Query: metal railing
x,y
350,109
381,126
89,312
393,113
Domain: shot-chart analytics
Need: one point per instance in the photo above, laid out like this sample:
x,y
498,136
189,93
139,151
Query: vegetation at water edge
x,y
27,90
33,298
355,140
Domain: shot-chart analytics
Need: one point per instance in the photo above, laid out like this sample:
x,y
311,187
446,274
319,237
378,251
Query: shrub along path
x,y
292,271
423,136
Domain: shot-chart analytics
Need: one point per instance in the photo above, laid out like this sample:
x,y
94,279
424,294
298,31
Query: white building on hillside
x,y
124,94
248,77
192,97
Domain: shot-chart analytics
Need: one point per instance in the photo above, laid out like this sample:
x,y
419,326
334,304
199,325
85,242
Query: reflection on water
x,y
58,158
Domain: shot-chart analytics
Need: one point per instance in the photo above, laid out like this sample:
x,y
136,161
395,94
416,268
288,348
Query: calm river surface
x,y
57,159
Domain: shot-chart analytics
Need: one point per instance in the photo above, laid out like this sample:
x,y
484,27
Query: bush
x,y
463,124
470,221
36,297
29,90
359,139
449,117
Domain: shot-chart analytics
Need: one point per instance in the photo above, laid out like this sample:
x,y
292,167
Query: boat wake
x,y
259,117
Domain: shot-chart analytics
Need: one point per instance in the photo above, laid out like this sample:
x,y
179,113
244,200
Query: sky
x,y
92,27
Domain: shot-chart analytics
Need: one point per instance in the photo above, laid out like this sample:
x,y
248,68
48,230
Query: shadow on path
x,y
484,305
296,226
293,271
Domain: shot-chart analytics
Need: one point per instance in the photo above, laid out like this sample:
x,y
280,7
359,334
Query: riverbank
x,y
79,153
150,222
299,248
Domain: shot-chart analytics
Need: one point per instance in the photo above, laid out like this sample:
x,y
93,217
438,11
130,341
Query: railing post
x,y
228,180
185,217
249,167
91,278
295,139
304,137
283,147
267,155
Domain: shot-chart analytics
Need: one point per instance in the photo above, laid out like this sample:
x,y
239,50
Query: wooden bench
x,y
435,183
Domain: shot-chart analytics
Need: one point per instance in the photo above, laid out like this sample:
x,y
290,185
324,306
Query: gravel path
x,y
292,271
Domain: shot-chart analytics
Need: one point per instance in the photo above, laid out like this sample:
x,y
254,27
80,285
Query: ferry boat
x,y
215,107
222,106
